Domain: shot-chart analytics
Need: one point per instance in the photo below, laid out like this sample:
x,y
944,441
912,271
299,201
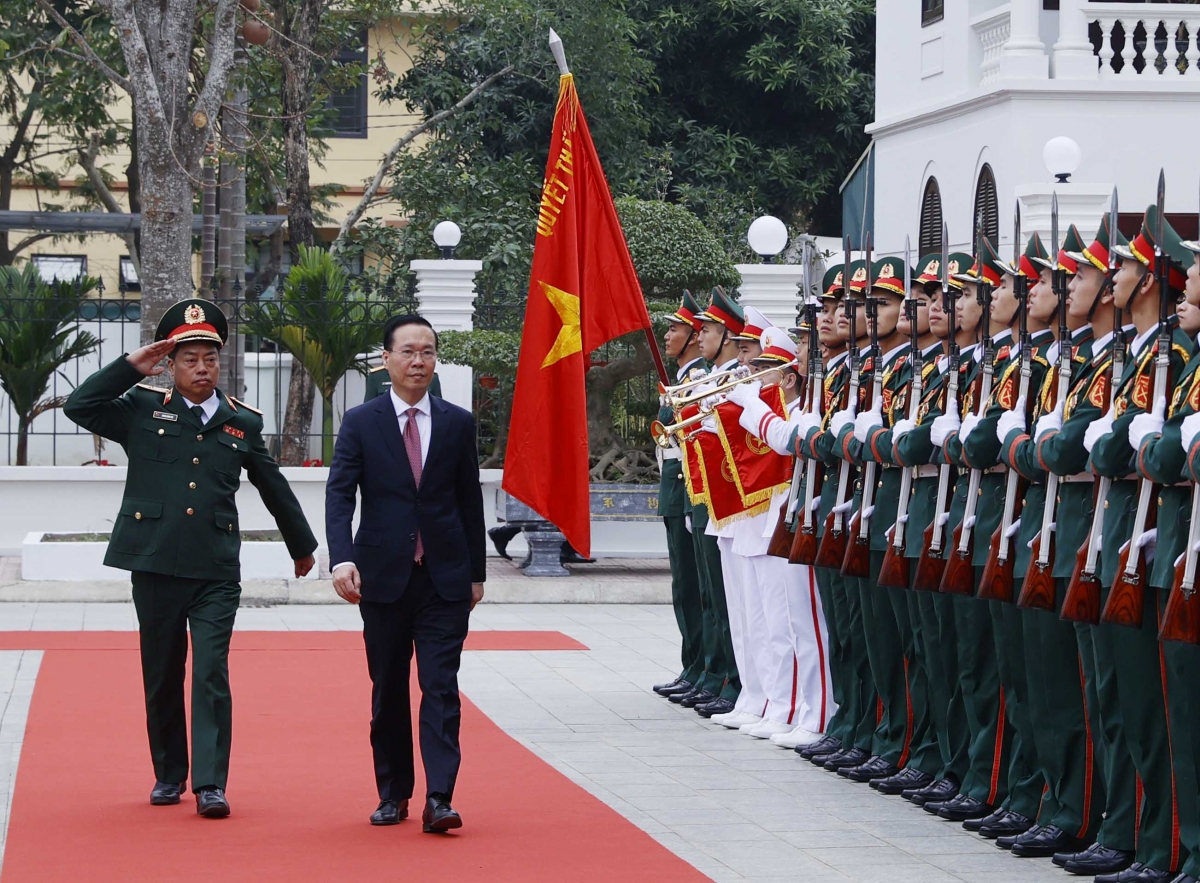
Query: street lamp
x,y
1061,156
767,236
447,236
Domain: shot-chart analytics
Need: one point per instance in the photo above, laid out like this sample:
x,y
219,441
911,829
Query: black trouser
x,y
437,628
166,607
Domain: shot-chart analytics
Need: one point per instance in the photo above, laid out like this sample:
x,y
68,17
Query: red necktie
x,y
412,444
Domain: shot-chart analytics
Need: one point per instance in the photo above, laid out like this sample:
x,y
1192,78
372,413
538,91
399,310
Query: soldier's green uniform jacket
x,y
915,448
378,384
969,387
672,493
1019,450
178,516
1112,454
843,447
1161,459
819,443
897,381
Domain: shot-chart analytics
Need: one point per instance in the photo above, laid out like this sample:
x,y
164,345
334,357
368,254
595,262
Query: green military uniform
x,y
379,383
673,507
177,531
1140,683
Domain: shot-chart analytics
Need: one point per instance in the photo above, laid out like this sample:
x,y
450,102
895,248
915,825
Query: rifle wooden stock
x,y
857,559
804,545
894,572
1039,592
832,550
783,537
958,578
1082,601
996,584
1127,598
1181,619
929,567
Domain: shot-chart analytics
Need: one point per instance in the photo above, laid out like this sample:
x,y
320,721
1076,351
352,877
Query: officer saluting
x,y
177,531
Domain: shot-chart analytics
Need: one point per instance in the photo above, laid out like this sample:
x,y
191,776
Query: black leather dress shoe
x,y
966,808
940,791
673,687
871,761
827,745
1097,859
1012,824
390,812
909,778
933,807
973,825
696,697
846,757
717,706
1044,842
1007,841
679,697
880,769
1137,873
438,816
165,793
211,803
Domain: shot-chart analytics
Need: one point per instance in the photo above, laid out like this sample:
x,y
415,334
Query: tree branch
x,y
368,196
87,160
89,53
221,58
142,84
28,241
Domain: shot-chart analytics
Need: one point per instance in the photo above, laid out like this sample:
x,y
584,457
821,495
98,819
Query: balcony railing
x,y
1145,39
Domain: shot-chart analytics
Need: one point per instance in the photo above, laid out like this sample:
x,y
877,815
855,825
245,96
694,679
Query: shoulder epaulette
x,y
1040,360
1003,352
161,390
1182,352
377,368
254,410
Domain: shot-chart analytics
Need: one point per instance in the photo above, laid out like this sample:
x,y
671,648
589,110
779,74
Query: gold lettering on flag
x,y
555,189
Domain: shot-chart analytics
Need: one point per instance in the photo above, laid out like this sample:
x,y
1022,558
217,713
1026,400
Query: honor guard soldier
x,y
681,343
1147,293
177,531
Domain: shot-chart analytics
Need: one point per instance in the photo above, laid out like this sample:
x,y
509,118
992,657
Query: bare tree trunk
x,y
167,229
602,384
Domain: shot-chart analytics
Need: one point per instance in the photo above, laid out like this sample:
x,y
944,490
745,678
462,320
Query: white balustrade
x,y
993,30
1179,23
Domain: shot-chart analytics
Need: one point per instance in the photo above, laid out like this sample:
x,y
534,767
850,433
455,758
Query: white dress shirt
x,y
424,420
209,405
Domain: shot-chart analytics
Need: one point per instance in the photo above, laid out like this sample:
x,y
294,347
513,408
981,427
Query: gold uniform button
x,y
981,492
162,432
195,461
1106,504
234,446
192,485
137,516
1160,501
200,438
230,527
191,511
881,484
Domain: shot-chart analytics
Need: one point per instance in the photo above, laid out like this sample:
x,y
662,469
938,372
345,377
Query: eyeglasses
x,y
408,355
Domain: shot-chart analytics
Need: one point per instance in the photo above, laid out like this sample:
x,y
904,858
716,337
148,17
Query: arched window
x,y
987,206
930,238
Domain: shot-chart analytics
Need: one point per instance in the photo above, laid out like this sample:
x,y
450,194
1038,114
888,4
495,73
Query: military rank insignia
x,y
1193,399
1141,392
236,433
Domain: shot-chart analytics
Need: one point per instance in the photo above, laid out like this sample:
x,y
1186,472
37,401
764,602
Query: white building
x,y
967,93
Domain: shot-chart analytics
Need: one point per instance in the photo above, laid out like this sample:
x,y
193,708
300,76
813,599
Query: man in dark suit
x,y
416,567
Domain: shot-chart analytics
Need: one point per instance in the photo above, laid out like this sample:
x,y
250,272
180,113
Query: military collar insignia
x,y
1003,352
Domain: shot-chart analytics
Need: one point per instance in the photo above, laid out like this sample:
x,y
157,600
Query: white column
x,y
1024,55
1073,55
1080,204
446,297
772,288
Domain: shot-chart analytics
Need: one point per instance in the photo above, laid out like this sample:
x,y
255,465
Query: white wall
x,y
73,499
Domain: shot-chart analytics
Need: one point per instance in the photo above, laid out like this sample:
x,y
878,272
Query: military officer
x,y
177,531
681,343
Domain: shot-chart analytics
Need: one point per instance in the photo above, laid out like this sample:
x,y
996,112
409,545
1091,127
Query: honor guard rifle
x,y
928,575
1081,603
832,550
1126,601
958,578
857,561
804,543
996,583
894,570
1038,591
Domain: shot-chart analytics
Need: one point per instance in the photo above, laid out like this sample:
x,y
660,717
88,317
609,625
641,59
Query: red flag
x,y
583,292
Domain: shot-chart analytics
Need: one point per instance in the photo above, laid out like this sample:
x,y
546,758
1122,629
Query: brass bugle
x,y
663,435
665,390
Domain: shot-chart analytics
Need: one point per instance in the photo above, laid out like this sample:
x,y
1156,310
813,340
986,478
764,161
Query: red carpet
x,y
340,640
301,784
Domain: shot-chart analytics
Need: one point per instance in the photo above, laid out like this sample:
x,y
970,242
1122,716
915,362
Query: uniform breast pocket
x,y
136,530
230,454
160,440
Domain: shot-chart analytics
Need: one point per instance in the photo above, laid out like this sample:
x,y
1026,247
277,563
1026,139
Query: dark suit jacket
x,y
447,509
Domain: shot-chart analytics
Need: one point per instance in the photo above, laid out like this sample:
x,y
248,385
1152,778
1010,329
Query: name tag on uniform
x,y
165,415
236,433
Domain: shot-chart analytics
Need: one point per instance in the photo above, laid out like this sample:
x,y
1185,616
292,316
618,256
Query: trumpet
x,y
668,436
677,396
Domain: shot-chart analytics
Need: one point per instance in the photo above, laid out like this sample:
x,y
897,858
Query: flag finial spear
x,y
560,57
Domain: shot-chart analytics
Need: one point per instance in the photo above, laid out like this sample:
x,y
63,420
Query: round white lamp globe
x,y
1061,156
767,236
447,235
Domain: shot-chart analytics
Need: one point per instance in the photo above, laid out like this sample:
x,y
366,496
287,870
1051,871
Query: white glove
x,y
864,423
968,424
1149,423
1010,420
1051,422
744,393
1013,529
816,503
844,508
943,426
1148,543
867,513
1100,427
687,521
709,424
904,426
1188,431
839,420
806,423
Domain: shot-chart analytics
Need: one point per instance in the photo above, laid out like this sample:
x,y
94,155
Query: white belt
x,y
1079,478
672,454
928,471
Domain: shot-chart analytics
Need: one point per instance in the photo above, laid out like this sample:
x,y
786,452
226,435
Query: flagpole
x,y
560,58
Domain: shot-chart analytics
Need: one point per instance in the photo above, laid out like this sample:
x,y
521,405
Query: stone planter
x,y
82,561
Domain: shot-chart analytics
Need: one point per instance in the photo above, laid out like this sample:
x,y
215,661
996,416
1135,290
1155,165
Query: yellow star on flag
x,y
570,338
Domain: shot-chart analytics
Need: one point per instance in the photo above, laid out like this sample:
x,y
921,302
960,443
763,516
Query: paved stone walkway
x,y
737,808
